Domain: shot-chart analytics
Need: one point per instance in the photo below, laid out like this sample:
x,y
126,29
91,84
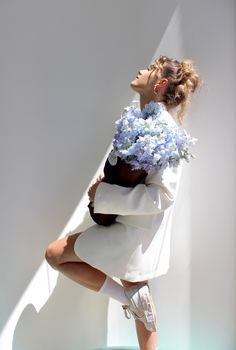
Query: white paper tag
x,y
112,158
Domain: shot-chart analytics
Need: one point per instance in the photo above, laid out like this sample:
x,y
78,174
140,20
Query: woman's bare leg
x,y
147,340
61,256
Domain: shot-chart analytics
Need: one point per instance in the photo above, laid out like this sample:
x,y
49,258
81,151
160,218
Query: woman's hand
x,y
93,188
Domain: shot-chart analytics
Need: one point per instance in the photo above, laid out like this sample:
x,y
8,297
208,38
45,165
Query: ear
x,y
160,85
163,82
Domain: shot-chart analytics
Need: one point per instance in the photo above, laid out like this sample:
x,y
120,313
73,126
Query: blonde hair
x,y
183,80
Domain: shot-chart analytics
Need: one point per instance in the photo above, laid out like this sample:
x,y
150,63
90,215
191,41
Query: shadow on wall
x,y
47,71
69,313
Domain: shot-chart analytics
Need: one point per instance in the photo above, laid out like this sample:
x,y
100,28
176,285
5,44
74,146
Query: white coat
x,y
137,246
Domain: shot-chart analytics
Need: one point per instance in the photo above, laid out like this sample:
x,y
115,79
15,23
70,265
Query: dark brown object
x,y
120,174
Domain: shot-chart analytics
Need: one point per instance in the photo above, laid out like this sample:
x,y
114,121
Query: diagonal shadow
x,y
139,10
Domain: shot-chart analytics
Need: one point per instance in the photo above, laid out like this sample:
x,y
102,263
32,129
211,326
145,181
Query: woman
x,y
134,247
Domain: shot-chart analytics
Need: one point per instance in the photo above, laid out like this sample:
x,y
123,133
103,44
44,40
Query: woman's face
x,y
145,81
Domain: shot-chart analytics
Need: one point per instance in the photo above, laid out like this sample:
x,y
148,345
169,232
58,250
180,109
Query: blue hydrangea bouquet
x,y
143,141
147,141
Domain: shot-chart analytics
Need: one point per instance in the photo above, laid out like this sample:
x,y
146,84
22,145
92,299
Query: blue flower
x,y
152,109
145,141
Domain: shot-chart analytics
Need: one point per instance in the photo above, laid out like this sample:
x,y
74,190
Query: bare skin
x,y
149,86
60,255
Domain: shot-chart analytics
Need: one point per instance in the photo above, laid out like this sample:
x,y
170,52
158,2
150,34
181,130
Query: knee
x,y
51,255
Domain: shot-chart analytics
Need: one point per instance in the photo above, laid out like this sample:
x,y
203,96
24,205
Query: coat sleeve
x,y
154,196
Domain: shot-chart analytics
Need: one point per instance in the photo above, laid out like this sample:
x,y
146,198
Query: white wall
x,y
65,69
203,267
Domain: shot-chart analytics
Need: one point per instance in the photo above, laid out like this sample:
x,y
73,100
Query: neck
x,y
144,100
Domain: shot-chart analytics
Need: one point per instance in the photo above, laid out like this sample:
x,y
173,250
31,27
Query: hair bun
x,y
183,79
190,76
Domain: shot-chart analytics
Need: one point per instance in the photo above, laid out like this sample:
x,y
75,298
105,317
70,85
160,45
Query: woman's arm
x,y
155,196
92,189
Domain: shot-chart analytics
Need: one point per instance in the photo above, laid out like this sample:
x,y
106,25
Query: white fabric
x,y
140,205
137,246
114,290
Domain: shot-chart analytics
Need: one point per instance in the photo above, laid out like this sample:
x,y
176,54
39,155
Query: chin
x,y
133,84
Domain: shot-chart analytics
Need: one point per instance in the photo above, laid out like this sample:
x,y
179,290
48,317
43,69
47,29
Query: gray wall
x,y
65,70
